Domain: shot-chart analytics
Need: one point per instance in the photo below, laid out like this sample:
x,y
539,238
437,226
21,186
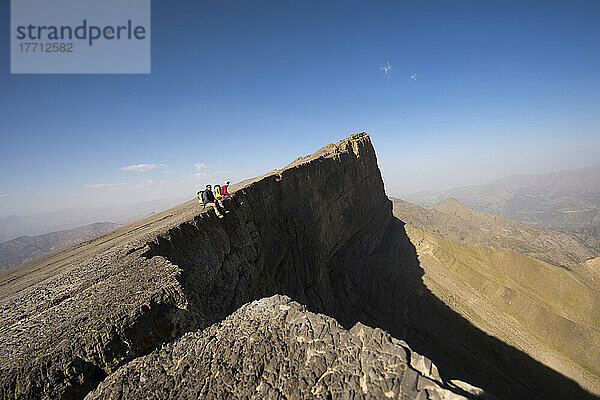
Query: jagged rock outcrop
x,y
320,231
274,348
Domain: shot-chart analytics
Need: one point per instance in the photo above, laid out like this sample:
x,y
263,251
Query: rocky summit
x,y
170,307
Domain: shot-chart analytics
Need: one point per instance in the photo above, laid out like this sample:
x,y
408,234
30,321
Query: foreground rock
x,y
273,348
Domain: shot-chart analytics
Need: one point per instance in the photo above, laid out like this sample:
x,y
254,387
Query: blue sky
x,y
476,90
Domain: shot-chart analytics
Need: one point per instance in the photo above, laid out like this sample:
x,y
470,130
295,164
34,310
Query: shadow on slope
x,y
387,284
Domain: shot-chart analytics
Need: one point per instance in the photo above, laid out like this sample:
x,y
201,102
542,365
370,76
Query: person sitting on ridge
x,y
224,192
209,197
217,192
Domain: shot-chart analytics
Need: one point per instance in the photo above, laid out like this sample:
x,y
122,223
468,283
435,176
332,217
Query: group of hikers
x,y
213,196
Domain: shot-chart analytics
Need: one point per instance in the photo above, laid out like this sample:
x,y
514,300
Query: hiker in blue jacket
x,y
208,197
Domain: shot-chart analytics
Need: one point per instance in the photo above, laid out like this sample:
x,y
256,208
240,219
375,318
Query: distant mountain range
x,y
12,227
566,200
19,250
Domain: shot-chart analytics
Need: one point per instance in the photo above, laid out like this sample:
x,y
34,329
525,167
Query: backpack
x,y
217,190
200,197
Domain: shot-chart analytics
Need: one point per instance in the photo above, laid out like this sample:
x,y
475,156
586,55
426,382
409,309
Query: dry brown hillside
x,y
589,270
455,221
491,270
19,250
544,310
566,200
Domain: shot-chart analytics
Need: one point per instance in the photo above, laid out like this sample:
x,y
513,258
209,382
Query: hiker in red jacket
x,y
224,192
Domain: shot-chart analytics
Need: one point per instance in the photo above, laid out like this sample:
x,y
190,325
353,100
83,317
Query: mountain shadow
x,y
389,281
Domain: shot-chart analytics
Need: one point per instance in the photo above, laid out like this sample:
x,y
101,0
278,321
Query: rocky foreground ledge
x,y
274,348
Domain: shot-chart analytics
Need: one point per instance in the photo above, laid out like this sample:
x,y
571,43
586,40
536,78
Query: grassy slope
x,y
539,308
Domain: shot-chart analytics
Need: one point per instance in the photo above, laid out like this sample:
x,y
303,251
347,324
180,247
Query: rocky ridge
x,y
73,317
320,231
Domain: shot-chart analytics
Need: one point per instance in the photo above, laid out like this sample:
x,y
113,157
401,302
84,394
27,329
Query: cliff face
x,y
280,234
320,231
76,316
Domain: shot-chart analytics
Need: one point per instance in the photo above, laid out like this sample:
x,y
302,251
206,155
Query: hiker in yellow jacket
x,y
217,190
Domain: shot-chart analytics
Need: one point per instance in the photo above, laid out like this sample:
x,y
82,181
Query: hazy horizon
x,y
498,178
191,196
451,94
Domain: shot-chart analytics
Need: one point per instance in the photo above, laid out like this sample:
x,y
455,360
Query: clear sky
x,y
452,93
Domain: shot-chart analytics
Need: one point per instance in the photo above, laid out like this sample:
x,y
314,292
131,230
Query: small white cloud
x,y
104,186
3,195
145,184
142,167
413,77
200,166
217,175
387,68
